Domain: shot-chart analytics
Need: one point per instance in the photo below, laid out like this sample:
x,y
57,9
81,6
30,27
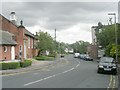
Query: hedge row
x,y
14,65
26,63
10,65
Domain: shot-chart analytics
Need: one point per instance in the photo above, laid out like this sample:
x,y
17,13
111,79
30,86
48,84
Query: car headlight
x,y
114,67
100,66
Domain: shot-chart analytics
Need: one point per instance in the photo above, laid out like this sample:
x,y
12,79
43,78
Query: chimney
x,y
13,17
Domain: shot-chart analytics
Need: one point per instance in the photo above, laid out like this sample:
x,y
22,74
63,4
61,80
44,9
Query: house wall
x,y
18,32
5,55
20,36
31,52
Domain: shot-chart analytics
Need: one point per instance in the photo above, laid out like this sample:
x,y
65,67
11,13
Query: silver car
x,y
107,64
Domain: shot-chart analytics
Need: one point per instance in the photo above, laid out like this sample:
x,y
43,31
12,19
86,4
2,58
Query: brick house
x,y
93,51
17,41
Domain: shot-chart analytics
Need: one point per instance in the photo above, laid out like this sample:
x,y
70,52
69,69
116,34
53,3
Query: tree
x,y
107,36
46,42
80,46
106,39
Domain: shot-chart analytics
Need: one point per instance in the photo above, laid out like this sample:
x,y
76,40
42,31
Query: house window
x,y
32,43
5,49
28,42
20,48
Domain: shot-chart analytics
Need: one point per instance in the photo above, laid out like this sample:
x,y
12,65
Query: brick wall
x,y
5,55
92,51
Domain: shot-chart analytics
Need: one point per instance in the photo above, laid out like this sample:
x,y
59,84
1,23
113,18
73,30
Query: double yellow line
x,y
112,83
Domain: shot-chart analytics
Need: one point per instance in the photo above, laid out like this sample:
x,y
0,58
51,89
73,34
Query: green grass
x,y
44,58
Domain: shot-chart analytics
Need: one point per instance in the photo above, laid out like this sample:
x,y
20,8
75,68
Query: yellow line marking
x,y
113,83
110,82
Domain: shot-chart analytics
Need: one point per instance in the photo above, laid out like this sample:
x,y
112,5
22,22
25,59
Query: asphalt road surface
x,y
74,74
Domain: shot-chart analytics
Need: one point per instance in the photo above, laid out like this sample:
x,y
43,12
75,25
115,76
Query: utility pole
x,y
55,42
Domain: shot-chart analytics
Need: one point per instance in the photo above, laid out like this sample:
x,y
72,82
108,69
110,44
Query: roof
x,y
30,34
6,38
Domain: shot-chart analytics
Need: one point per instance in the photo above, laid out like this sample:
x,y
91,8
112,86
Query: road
x,y
75,74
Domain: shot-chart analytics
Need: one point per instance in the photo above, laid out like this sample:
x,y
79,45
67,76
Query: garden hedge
x,y
9,65
26,63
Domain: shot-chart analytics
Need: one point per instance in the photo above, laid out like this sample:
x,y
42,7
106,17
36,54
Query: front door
x,y
12,53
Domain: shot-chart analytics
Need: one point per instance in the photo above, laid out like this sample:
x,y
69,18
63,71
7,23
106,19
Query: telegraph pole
x,y
55,42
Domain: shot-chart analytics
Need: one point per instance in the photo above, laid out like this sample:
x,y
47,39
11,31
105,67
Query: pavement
x,y
36,65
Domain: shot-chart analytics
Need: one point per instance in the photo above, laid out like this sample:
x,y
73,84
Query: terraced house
x,y
16,41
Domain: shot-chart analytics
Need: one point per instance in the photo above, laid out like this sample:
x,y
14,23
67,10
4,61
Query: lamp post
x,y
116,41
55,44
116,38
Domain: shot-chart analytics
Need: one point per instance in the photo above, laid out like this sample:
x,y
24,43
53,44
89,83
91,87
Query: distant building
x,y
94,38
92,51
17,42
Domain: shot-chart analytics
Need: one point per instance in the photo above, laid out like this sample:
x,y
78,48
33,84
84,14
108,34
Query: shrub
x,y
26,63
14,65
9,65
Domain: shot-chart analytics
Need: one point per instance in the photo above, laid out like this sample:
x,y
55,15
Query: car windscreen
x,y
106,60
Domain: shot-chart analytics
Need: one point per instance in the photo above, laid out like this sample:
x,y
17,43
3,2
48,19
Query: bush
x,y
14,65
26,63
9,65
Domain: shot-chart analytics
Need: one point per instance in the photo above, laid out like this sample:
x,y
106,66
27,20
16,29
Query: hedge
x,y
26,63
10,65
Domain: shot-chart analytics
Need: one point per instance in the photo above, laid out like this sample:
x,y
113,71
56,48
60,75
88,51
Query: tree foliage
x,y
106,39
80,46
46,42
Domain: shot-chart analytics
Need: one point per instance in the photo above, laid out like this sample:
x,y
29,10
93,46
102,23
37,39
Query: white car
x,y
76,55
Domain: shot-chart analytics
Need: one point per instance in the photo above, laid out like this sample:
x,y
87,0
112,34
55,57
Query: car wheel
x,y
114,73
98,71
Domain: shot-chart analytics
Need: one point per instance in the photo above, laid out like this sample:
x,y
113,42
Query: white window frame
x,y
32,43
28,42
5,48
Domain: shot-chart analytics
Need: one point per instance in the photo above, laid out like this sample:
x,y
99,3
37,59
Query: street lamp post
x,y
55,43
116,38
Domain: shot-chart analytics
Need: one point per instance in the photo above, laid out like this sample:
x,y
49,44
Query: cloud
x,y
60,15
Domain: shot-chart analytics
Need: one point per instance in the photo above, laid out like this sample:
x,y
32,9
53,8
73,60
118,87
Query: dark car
x,y
62,55
107,64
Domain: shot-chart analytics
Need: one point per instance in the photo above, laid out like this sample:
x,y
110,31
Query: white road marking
x,y
52,76
35,73
77,65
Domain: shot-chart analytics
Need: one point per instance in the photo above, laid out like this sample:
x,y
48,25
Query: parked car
x,y
62,55
76,55
107,64
88,58
83,56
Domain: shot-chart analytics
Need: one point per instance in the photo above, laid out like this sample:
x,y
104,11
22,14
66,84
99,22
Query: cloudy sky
x,y
72,20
